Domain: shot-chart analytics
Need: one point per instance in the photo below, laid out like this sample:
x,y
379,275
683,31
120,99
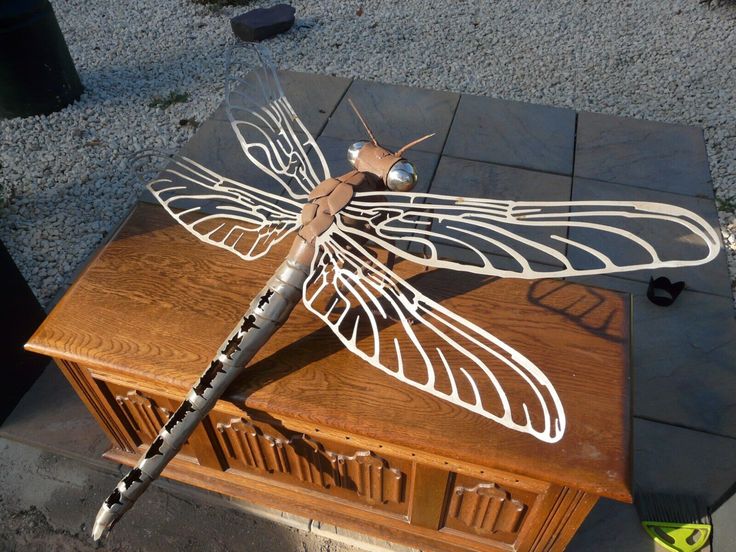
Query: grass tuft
x,y
164,102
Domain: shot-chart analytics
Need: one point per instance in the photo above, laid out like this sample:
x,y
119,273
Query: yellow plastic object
x,y
678,537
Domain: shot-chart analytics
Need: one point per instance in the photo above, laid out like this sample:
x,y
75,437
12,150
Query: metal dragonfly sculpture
x,y
336,223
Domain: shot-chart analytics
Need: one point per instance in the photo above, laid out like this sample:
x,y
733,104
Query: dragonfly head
x,y
395,172
392,169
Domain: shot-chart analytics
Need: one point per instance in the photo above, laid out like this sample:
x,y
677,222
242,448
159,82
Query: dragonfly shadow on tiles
x,y
333,223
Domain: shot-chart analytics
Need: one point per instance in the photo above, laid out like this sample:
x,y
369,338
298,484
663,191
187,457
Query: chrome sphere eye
x,y
353,152
402,177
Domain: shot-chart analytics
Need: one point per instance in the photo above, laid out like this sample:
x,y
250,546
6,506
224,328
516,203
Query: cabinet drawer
x,y
142,414
494,512
361,476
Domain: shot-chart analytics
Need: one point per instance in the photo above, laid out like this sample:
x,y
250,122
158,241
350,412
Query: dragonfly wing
x,y
224,212
271,134
386,321
565,237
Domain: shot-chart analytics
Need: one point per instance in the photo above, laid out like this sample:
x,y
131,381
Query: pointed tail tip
x,y
103,523
98,530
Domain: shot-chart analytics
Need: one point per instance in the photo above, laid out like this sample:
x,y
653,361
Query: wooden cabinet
x,y
313,430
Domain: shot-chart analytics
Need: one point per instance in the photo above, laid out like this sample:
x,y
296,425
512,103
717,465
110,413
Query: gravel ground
x,y
69,178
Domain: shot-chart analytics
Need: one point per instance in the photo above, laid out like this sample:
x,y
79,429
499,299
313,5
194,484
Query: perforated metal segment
x,y
271,134
224,212
571,238
359,298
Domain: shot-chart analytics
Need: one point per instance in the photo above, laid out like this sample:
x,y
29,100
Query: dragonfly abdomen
x,y
268,310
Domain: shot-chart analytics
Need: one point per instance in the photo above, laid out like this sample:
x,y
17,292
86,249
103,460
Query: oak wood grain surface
x,y
156,303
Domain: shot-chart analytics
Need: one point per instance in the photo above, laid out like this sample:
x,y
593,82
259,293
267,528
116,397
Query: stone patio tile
x,y
513,133
359,541
684,358
667,460
649,154
52,417
396,114
215,145
674,460
611,527
669,239
474,179
723,518
335,151
313,97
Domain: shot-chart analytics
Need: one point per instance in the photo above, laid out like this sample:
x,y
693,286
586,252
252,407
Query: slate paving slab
x,y
658,156
473,179
667,460
215,144
396,114
683,356
670,240
611,527
51,416
513,133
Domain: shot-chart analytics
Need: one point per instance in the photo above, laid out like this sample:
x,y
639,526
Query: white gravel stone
x,y
66,180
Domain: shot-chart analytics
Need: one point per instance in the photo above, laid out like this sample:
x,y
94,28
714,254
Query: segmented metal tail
x,y
266,313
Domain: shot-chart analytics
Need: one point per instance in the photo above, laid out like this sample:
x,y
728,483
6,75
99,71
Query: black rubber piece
x,y
263,23
662,292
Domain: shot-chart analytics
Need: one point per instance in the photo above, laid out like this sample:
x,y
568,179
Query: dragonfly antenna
x,y
373,138
414,143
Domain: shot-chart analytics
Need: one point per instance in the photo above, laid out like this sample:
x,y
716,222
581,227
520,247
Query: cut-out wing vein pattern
x,y
526,231
223,212
270,133
358,298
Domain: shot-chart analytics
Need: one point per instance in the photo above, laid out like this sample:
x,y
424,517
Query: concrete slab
x,y
513,133
649,154
357,540
52,417
667,460
685,362
215,144
474,179
671,241
48,502
673,460
723,518
396,114
683,358
611,527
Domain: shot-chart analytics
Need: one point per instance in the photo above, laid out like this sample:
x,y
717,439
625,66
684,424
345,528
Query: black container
x,y
37,74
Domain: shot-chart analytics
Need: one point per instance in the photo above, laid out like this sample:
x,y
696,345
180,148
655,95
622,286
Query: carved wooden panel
x,y
85,386
144,414
354,474
487,509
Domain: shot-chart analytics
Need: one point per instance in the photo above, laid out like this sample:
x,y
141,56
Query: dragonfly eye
x,y
353,152
402,177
